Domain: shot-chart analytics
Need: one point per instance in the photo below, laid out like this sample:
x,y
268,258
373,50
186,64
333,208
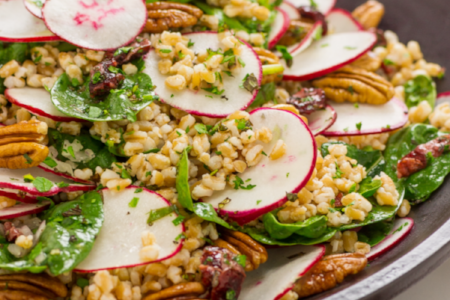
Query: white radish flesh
x,y
329,54
402,227
290,9
23,209
34,8
200,102
278,27
96,24
373,119
276,277
321,120
288,173
340,20
119,241
38,102
323,6
443,98
17,24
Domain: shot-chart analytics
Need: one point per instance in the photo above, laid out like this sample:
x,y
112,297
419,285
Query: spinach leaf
x,y
101,158
14,51
368,187
420,185
420,88
182,184
225,22
67,239
312,227
373,234
265,94
207,212
118,105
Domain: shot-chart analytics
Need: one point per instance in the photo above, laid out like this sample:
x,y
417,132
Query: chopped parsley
x,y
239,184
165,50
42,184
350,89
291,196
134,202
178,220
352,188
70,150
388,62
240,259
258,202
250,83
190,43
356,105
285,54
214,90
349,48
50,162
139,190
28,158
201,128
338,172
62,184
358,126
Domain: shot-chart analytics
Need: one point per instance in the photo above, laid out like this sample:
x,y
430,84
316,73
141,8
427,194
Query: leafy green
x,y
70,232
14,51
419,185
207,212
368,187
42,184
182,184
265,94
375,233
313,227
225,22
420,88
103,157
118,105
160,213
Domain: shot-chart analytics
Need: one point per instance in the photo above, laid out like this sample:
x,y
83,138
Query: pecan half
x,y
256,254
369,62
355,85
25,131
20,295
166,15
369,14
329,272
22,155
24,287
42,282
268,58
181,291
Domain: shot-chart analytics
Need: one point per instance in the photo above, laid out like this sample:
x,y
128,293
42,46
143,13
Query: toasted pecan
x,y
25,131
21,286
166,15
12,156
39,280
186,290
20,295
369,14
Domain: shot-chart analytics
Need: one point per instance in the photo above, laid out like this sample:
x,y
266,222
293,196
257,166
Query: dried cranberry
x,y
337,201
310,12
308,100
11,232
221,273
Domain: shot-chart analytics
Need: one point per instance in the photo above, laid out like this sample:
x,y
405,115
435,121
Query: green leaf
x,y
118,105
368,187
420,88
207,213
265,94
182,184
71,228
42,184
134,202
50,162
373,234
312,227
160,213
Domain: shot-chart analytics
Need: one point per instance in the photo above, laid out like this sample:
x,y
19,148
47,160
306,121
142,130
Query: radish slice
x,y
34,8
309,38
323,6
288,173
402,227
329,54
18,25
200,103
278,27
340,20
373,118
443,98
277,276
38,102
13,185
119,241
321,120
62,174
23,209
96,24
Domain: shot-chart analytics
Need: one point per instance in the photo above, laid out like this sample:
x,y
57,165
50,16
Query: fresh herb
x,y
214,90
28,178
352,188
178,220
258,202
250,83
159,213
42,184
138,190
201,128
239,184
71,152
349,48
240,259
287,175
262,152
28,159
388,62
134,202
338,172
350,89
356,105
285,55
62,184
241,62
190,44
358,126
165,50
82,282
96,78
291,196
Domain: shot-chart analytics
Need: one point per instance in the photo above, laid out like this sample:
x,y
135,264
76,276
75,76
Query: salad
x,y
208,149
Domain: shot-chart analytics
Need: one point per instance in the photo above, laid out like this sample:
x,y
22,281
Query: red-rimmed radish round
x,y
443,98
329,54
402,227
321,120
275,278
273,178
34,8
38,102
23,209
291,10
56,172
119,241
339,20
279,27
200,102
13,185
17,24
373,119
96,24
323,6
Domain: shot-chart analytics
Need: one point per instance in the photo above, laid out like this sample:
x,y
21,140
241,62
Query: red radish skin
x,y
290,9
393,238
23,209
33,8
67,176
88,265
321,120
12,181
443,98
279,28
305,66
18,25
276,277
35,101
324,6
96,24
195,102
373,118
341,20
289,170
